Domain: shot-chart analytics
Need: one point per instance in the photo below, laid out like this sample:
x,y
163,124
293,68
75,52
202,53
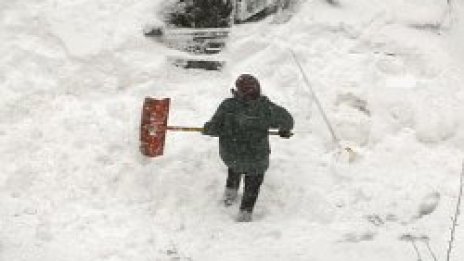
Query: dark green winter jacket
x,y
242,128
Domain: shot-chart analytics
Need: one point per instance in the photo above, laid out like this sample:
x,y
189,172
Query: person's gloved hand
x,y
286,134
209,129
205,129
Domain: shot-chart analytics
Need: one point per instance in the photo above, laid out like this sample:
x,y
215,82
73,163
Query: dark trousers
x,y
251,190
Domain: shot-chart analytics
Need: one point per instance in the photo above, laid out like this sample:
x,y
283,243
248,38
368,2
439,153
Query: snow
x,y
73,186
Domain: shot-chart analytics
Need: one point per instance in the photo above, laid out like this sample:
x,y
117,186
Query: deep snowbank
x,y
74,187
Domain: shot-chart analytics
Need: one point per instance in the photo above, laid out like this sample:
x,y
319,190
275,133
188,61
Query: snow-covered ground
x,y
73,185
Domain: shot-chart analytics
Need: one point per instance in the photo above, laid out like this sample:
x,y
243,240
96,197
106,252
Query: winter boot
x,y
244,216
230,195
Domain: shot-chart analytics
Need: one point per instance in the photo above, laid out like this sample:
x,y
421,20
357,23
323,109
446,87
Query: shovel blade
x,y
153,126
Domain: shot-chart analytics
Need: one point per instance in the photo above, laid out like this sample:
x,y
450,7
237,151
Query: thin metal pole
x,y
431,251
456,215
324,116
419,258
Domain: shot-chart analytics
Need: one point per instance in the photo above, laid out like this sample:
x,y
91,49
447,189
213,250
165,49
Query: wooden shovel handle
x,y
196,129
190,129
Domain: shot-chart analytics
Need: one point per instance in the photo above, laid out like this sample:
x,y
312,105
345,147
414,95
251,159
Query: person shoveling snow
x,y
242,124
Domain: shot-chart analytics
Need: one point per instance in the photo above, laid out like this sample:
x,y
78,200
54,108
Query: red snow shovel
x,y
155,125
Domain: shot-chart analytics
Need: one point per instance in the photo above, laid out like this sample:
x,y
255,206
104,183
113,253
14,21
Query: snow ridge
x,y
73,185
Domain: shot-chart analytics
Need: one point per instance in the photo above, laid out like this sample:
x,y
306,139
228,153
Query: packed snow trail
x,y
74,186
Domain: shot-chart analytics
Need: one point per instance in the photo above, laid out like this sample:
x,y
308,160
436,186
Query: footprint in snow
x,y
428,204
